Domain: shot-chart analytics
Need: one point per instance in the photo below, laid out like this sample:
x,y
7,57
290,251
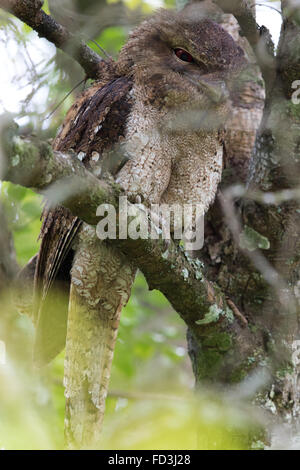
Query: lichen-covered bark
x,y
264,286
61,179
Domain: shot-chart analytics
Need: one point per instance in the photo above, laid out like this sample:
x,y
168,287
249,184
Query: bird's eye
x,y
183,55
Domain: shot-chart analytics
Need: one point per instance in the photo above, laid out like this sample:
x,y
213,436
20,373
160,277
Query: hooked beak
x,y
216,90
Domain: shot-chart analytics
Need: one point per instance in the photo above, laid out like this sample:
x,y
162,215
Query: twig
x,y
101,49
143,396
267,6
259,261
65,97
237,313
29,11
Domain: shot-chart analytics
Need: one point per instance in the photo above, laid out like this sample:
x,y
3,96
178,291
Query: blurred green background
x,y
151,403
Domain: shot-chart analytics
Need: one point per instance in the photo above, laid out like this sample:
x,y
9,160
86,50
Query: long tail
x,y
100,286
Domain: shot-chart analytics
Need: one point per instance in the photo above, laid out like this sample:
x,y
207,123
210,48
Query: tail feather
x,y
100,286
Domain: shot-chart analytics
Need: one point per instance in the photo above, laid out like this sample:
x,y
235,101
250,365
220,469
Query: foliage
x,y
22,209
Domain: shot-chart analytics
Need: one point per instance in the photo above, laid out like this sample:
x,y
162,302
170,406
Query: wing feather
x,y
95,123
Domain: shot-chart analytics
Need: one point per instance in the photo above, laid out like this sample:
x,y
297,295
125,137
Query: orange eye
x,y
183,55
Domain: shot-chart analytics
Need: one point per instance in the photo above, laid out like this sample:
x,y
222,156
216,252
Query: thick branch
x,y
64,180
165,265
61,178
29,11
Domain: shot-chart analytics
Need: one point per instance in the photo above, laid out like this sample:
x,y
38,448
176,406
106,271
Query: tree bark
x,y
264,284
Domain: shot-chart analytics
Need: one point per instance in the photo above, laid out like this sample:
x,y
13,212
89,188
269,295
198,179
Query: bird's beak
x,y
216,90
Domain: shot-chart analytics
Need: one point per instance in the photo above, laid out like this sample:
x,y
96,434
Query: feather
x,y
95,123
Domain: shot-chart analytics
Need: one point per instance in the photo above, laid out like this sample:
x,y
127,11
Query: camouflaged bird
x,y
155,122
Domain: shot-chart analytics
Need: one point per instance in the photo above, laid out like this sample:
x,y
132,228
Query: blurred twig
x,y
30,12
260,262
265,197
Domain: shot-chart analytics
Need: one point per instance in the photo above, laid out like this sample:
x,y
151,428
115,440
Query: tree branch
x,y
166,266
63,179
258,37
29,11
288,55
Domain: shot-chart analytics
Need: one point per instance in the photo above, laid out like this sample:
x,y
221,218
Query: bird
x,y
154,122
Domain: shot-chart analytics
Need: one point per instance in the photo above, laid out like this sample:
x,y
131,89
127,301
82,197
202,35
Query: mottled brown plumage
x,y
155,123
